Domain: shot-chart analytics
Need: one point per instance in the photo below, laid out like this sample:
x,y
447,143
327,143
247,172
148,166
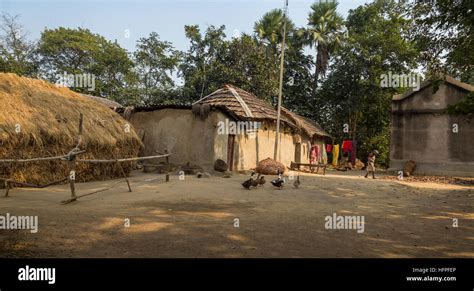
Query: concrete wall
x,y
421,132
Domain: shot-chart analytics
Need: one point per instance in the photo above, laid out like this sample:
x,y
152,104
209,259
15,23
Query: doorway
x,y
230,151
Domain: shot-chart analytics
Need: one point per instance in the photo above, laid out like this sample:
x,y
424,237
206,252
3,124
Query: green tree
x,y
297,77
201,60
324,32
269,30
17,54
155,62
79,51
213,61
444,32
352,94
245,64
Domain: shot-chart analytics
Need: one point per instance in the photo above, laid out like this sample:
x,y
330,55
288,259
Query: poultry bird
x,y
255,181
261,181
297,182
248,183
278,182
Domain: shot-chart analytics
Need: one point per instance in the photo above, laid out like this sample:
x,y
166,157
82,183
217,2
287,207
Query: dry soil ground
x,y
195,218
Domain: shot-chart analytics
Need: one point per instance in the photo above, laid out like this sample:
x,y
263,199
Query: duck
x,y
278,182
297,182
248,183
261,181
255,182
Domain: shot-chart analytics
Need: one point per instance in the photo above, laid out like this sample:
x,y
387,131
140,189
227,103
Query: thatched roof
x,y
242,104
308,126
109,103
47,117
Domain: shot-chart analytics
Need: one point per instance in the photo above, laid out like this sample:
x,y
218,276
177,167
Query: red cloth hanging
x,y
347,146
315,153
328,148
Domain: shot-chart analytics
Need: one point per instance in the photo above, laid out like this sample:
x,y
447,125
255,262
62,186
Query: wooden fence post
x,y
7,188
72,167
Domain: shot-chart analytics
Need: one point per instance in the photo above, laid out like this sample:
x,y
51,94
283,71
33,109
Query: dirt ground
x,y
195,218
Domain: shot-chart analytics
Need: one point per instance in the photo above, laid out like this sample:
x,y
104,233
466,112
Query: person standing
x,y
371,163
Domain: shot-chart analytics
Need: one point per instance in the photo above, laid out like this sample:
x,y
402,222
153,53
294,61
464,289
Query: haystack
x,y
270,167
39,119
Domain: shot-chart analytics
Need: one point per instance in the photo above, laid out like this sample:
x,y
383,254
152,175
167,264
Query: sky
x,y
126,20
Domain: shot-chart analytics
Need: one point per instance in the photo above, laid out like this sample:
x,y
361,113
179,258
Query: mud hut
x,y
309,133
39,119
422,130
229,124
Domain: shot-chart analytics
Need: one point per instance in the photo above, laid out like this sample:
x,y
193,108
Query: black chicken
x,y
278,182
249,183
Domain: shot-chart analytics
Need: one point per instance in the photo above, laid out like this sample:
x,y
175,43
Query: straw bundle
x,y
39,119
270,167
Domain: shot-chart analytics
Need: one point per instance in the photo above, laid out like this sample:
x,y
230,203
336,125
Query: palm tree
x,y
269,29
324,32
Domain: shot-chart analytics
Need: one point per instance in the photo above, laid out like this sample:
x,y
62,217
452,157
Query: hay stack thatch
x,y
269,167
48,118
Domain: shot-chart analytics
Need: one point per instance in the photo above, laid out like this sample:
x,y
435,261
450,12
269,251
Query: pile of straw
x,y
270,167
39,119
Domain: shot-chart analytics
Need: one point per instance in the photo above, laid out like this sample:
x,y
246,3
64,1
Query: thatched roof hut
x,y
306,125
39,119
242,105
202,133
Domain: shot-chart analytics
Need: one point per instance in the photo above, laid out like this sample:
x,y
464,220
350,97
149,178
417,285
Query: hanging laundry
x,y
328,148
335,155
347,146
315,154
324,155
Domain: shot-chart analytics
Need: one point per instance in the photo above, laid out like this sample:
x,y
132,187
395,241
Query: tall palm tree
x,y
269,28
325,31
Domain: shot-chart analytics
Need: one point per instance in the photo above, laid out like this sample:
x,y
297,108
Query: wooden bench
x,y
296,166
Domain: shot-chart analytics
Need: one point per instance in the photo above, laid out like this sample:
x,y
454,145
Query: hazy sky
x,y
112,19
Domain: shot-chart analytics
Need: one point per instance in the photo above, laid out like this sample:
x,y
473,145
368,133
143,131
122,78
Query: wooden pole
x,y
71,179
123,160
7,188
280,89
72,158
124,176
